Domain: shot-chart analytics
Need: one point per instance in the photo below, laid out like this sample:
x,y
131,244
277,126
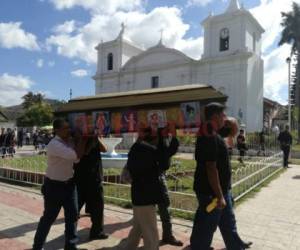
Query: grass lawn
x,y
296,147
294,161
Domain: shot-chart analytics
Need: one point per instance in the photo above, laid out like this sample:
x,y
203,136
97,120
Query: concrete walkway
x,y
271,219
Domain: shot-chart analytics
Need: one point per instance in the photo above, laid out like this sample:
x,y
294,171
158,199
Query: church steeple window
x,y
224,39
110,61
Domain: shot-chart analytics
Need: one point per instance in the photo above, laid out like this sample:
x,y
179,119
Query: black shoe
x,y
100,236
70,247
172,241
247,244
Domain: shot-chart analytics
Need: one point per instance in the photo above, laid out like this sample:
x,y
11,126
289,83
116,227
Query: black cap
x,y
213,108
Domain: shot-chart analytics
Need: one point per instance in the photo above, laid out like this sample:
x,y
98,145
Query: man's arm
x,y
214,182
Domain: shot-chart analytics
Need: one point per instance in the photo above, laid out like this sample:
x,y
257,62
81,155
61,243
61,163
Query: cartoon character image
x,y
191,113
129,121
102,124
157,119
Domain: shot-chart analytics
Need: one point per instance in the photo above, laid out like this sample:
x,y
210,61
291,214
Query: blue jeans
x,y
227,226
205,224
56,195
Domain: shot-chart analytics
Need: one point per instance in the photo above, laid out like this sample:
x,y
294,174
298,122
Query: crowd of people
x,y
12,138
74,178
7,142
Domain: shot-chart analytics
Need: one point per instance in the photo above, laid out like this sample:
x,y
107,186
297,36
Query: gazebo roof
x,y
143,98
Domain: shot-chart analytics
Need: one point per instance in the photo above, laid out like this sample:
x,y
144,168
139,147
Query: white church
x,y
231,63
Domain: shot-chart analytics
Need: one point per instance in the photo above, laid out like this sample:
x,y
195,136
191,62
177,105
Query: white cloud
x,y
272,26
79,73
276,74
198,2
192,47
51,63
12,88
40,63
13,36
142,28
99,6
67,27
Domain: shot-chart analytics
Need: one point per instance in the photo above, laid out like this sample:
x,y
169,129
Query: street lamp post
x,y
288,60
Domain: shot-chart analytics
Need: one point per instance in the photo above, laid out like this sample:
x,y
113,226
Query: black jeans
x,y
163,209
91,193
58,194
286,152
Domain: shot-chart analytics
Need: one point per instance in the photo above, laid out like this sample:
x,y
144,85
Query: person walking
x,y
212,180
20,138
229,132
241,145
146,192
88,177
59,186
2,142
167,140
27,137
285,139
262,141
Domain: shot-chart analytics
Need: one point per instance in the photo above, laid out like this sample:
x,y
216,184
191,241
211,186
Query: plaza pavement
x,y
271,219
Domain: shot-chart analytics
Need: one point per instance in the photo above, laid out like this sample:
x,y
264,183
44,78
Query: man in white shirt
x,y
59,187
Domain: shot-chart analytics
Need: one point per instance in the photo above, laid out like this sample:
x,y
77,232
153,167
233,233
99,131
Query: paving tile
x,y
271,220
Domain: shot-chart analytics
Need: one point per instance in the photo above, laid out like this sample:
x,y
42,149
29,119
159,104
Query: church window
x,y
154,82
224,39
110,61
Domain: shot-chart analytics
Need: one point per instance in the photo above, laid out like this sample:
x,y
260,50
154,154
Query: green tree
x,y
291,35
39,114
30,99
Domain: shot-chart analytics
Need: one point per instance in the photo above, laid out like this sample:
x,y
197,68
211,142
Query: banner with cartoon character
x,y
82,123
129,121
190,112
101,120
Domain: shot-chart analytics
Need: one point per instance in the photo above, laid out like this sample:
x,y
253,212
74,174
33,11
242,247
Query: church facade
x,y
231,63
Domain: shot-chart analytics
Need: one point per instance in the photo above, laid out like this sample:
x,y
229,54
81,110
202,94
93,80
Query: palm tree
x,y
291,35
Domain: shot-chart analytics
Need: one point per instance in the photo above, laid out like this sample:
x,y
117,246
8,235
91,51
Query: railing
x,y
245,177
27,170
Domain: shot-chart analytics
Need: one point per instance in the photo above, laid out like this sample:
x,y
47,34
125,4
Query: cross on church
x,y
161,35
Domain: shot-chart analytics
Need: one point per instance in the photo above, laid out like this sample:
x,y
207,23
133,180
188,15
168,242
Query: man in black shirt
x,y
285,139
144,168
213,180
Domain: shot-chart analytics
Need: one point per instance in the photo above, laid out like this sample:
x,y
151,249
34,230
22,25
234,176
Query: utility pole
x,y
70,94
288,60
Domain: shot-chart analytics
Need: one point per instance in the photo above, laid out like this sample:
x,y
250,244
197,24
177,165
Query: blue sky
x,y
47,46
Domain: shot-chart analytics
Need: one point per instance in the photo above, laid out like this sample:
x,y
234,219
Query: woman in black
x,y
88,177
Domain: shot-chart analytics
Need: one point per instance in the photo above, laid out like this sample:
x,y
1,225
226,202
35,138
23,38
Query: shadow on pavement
x,y
21,230
111,228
